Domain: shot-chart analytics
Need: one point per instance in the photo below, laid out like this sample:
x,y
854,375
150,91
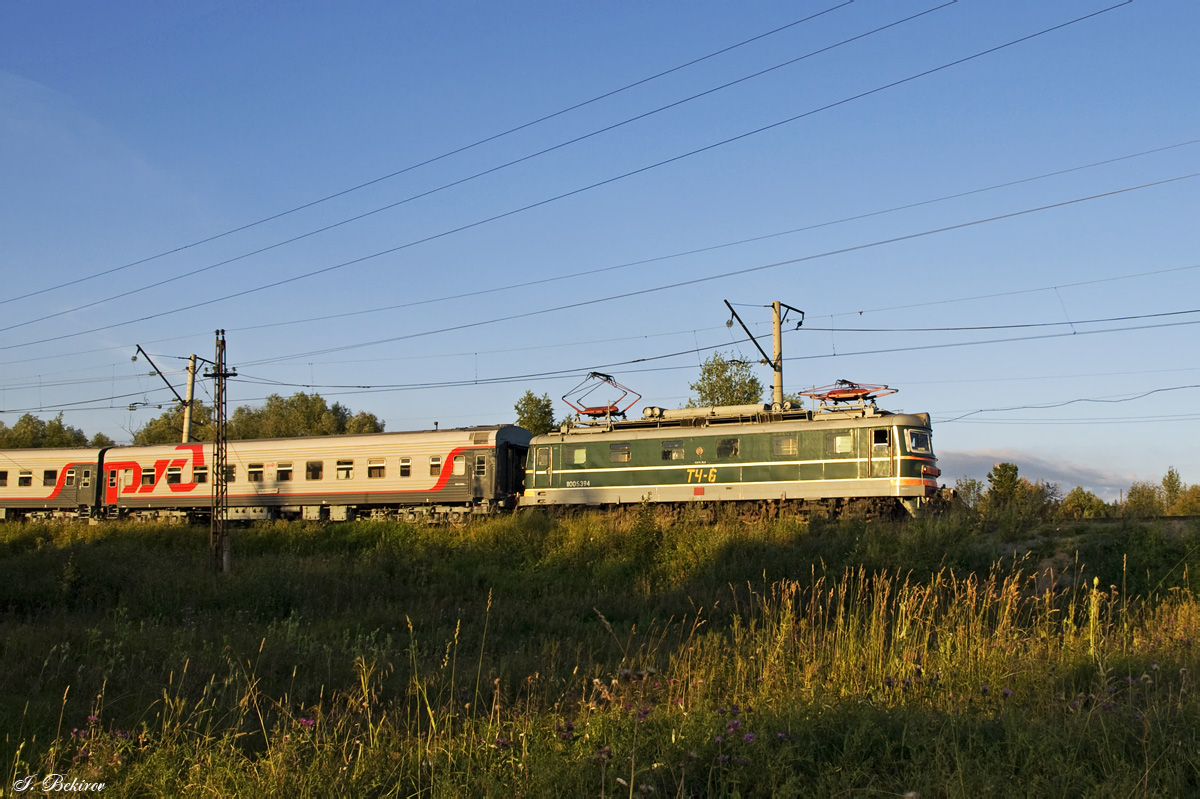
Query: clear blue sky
x,y
129,130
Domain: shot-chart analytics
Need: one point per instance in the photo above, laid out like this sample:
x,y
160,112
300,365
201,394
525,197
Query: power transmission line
x,y
454,183
429,161
589,187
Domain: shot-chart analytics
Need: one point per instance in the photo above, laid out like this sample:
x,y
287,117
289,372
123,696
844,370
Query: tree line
x,y
1009,499
298,415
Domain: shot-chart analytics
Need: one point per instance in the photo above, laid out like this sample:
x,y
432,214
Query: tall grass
x,y
602,656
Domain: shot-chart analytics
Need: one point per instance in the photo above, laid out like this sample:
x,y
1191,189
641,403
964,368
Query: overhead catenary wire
x,y
428,161
492,170
583,189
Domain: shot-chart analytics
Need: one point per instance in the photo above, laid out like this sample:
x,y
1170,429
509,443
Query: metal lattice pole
x,y
218,538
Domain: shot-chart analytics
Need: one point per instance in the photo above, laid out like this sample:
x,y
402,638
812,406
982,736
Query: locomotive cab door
x,y
542,467
883,447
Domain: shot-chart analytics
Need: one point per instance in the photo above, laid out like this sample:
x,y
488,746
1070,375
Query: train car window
x,y
579,456
460,465
543,457
3,478
314,470
69,480
920,441
783,446
480,465
112,479
283,473
148,477
375,467
174,475
254,473
619,453
200,474
839,443
672,450
49,477
25,479
435,466
345,470
231,474
87,478
881,437
406,467
727,447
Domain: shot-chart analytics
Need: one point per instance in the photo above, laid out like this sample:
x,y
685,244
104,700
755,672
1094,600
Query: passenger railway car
x,y
436,476
785,459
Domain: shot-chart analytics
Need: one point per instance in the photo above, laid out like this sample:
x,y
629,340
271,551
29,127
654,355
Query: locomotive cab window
x,y
49,477
375,468
782,446
727,447
283,473
542,460
345,470
254,473
174,475
435,466
406,467
25,479
619,453
199,474
881,437
920,442
314,470
672,450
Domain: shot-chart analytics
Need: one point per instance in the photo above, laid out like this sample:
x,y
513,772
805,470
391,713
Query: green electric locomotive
x,y
846,454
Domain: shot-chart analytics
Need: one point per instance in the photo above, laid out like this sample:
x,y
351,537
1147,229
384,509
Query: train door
x,y
77,484
883,447
459,482
542,467
481,473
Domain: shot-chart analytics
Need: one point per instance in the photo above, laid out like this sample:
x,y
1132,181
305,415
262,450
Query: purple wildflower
x,y
781,735
748,737
983,689
1006,693
719,739
306,722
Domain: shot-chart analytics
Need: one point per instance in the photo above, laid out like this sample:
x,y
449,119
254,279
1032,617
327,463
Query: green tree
x,y
534,413
1004,487
26,433
1080,503
969,491
725,382
299,415
1172,487
100,440
58,434
1188,503
1143,500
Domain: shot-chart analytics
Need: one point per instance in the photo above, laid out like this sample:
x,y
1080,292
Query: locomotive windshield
x,y
919,441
